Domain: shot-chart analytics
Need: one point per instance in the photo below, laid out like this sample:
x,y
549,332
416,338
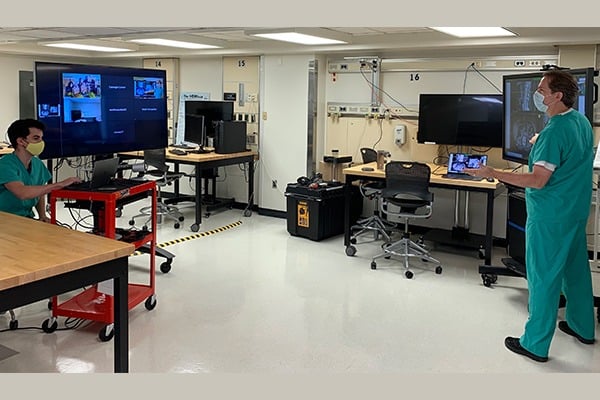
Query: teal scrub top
x,y
567,141
12,170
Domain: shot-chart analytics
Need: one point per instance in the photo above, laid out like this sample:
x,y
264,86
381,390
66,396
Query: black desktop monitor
x,y
522,119
94,110
212,111
195,130
460,119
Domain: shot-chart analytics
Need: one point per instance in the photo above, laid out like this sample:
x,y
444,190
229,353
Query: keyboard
x,y
199,151
178,152
79,186
462,176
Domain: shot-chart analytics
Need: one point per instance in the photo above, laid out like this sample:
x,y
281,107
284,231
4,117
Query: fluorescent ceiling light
x,y
300,38
79,46
174,43
464,32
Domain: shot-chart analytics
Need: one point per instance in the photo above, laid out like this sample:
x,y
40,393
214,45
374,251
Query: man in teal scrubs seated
x,y
23,176
558,190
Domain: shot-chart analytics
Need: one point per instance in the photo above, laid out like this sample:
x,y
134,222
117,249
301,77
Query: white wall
x,y
283,136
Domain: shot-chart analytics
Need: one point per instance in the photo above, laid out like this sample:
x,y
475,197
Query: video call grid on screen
x,y
92,109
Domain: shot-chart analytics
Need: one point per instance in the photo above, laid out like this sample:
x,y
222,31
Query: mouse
x,y
367,169
490,179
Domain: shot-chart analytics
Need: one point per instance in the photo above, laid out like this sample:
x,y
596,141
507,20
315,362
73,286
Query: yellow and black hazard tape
x,y
192,237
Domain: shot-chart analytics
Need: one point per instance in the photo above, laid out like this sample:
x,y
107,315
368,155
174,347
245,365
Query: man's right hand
x,y
69,181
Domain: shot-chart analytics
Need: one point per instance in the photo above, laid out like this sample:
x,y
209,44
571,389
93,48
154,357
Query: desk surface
x,y
32,250
435,179
5,149
197,157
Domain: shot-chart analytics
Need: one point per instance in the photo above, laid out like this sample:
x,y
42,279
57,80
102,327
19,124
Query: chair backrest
x,y
407,184
368,155
156,158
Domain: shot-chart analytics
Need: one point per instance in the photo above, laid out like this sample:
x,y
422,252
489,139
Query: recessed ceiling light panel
x,y
465,32
174,43
299,38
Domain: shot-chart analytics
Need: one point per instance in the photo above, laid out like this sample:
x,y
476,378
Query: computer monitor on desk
x,y
195,131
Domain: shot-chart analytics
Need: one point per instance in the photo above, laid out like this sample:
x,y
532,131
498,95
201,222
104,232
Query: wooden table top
x,y
197,157
5,149
31,250
435,177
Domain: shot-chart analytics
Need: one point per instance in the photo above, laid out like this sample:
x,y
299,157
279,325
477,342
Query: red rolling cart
x,y
94,303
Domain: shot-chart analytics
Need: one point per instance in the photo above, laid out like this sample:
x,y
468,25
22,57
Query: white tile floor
x,y
254,299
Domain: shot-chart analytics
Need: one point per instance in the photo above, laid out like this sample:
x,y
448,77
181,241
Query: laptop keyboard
x,y
79,186
462,176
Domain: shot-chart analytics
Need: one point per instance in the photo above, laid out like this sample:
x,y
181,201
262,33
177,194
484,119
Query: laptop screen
x,y
457,162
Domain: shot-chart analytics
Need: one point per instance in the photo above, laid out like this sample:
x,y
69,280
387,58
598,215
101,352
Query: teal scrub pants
x,y
557,261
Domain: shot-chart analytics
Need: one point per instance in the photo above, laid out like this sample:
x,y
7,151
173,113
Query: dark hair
x,y
562,81
20,129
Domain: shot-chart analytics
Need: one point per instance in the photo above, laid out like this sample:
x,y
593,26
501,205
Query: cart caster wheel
x,y
49,304
131,222
176,225
438,269
195,227
206,215
48,326
353,240
350,251
181,218
481,254
247,213
106,333
165,267
150,303
13,324
408,274
373,265
489,279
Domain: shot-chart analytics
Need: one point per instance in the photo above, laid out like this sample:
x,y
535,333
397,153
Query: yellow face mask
x,y
35,148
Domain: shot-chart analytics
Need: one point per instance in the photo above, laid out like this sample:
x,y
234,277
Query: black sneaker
x,y
513,344
563,326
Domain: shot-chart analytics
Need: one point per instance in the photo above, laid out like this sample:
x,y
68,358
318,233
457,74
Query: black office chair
x,y
155,167
374,224
407,196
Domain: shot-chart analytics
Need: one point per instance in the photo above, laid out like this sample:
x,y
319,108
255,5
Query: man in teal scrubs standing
x,y
558,190
23,176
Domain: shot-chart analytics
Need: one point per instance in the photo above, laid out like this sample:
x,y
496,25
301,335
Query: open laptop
x,y
102,174
457,162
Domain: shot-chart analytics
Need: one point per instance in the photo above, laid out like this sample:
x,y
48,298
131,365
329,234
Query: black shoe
x,y
563,326
513,344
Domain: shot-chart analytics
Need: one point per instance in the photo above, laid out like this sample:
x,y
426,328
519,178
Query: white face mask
x,y
538,100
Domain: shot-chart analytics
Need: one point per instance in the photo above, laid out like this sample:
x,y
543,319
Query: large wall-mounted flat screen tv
x,y
93,109
460,119
522,119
